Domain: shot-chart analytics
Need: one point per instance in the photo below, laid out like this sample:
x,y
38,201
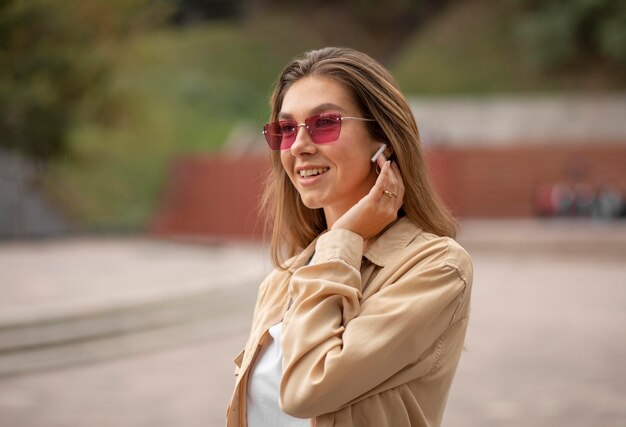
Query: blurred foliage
x,y
378,28
476,47
561,33
50,69
194,11
468,49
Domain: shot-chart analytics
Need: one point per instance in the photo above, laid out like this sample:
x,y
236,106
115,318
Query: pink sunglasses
x,y
323,128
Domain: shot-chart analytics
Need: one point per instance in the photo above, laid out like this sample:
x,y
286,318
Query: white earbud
x,y
379,152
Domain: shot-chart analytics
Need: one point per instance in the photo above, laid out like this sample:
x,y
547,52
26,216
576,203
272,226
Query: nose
x,y
303,143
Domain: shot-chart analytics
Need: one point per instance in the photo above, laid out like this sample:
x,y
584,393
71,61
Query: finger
x,y
392,182
393,178
382,181
397,176
391,188
398,183
381,159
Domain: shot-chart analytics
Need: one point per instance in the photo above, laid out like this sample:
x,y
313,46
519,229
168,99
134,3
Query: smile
x,y
304,173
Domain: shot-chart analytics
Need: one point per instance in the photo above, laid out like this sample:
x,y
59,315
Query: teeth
x,y
311,172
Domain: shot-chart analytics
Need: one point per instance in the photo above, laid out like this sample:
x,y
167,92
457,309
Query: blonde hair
x,y
293,225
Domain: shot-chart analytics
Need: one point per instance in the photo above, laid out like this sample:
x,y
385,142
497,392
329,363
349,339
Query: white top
x,y
263,387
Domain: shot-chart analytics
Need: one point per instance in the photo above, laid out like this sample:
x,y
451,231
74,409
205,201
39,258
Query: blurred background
x,y
131,162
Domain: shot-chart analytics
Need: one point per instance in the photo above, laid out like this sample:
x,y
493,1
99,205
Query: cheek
x,y
355,162
286,159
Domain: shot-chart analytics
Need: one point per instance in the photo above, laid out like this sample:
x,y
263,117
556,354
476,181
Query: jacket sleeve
x,y
336,349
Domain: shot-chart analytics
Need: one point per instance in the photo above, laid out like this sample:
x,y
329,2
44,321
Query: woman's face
x,y
342,171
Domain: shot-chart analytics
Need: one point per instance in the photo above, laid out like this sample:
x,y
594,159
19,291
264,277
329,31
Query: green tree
x,y
559,33
50,65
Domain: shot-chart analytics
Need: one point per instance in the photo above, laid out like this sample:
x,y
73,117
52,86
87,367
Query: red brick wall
x,y
211,195
502,182
218,196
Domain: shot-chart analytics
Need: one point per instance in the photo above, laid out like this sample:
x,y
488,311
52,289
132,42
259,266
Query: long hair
x,y
293,225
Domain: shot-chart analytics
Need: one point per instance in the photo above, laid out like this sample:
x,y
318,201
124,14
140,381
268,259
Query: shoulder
x,y
431,251
270,285
275,275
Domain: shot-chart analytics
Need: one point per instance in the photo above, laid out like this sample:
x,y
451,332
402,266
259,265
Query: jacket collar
x,y
396,237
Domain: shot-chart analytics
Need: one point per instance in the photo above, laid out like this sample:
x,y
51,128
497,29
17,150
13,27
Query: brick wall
x,y
212,195
218,196
504,181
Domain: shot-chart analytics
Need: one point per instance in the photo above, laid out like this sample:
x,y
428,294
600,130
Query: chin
x,y
311,201
311,204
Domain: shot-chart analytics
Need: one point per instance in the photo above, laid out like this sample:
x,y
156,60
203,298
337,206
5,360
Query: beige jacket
x,y
371,339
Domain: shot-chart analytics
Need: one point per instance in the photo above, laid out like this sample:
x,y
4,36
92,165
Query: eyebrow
x,y
327,106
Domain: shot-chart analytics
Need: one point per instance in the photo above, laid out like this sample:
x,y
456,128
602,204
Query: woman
x,y
363,324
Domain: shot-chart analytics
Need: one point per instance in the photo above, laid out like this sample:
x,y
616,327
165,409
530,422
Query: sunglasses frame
x,y
308,123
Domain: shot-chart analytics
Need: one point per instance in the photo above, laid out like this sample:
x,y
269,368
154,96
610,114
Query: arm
x,y
336,349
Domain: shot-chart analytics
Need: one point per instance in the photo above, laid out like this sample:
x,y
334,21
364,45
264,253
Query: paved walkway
x,y
545,345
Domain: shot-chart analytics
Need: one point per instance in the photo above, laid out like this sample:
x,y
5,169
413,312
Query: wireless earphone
x,y
379,152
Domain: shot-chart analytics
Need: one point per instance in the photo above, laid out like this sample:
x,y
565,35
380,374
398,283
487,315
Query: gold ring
x,y
391,194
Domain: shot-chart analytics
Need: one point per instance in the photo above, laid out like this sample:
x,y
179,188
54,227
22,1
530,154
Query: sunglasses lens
x,y
275,136
324,128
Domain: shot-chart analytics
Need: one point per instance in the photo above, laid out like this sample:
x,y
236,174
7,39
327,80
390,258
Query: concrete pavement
x,y
545,344
74,301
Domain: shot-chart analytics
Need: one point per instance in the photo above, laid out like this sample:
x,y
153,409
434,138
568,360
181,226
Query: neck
x,y
331,217
333,213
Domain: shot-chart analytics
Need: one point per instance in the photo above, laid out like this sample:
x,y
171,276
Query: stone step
x,y
81,333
